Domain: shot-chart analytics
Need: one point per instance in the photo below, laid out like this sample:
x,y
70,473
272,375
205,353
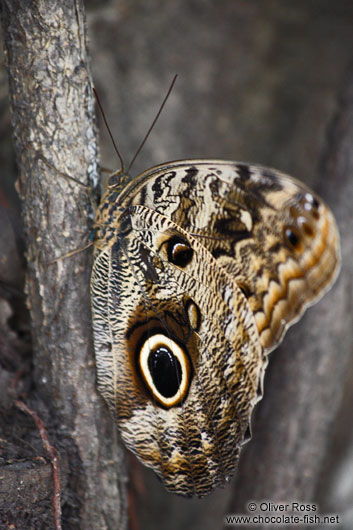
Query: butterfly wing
x,y
199,267
273,235
178,355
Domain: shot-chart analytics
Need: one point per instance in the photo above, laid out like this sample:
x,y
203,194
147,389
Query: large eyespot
x,y
179,251
165,369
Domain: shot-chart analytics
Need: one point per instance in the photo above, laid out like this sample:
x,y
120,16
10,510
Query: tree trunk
x,y
54,129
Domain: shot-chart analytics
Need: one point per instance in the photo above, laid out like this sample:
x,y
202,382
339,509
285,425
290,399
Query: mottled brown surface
x,y
140,291
52,103
258,81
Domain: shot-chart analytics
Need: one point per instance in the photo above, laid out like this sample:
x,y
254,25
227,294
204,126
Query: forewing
x,y
270,233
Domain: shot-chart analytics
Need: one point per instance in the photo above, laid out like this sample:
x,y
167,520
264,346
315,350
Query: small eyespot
x,y
308,230
165,369
305,226
311,205
312,200
179,251
291,237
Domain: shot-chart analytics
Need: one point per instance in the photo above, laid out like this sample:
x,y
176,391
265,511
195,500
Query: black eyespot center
x,y
163,365
165,370
292,237
179,251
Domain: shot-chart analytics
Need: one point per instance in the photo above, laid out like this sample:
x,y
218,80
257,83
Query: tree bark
x,y
55,134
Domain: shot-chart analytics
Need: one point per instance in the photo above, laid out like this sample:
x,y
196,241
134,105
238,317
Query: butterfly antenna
x,y
153,123
109,131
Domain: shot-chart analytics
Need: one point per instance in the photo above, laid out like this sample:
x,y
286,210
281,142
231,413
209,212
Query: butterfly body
x,y
200,266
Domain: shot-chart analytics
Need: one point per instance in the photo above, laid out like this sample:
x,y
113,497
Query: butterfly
x,y
199,268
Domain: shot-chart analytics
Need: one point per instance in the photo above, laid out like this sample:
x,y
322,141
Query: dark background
x,y
257,81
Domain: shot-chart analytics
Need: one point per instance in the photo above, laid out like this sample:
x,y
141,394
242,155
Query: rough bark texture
x,y
259,81
53,118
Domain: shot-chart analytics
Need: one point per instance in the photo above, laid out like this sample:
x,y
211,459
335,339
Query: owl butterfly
x,y
200,266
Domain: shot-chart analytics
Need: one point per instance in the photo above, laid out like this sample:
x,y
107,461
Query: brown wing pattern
x,y
199,268
274,236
